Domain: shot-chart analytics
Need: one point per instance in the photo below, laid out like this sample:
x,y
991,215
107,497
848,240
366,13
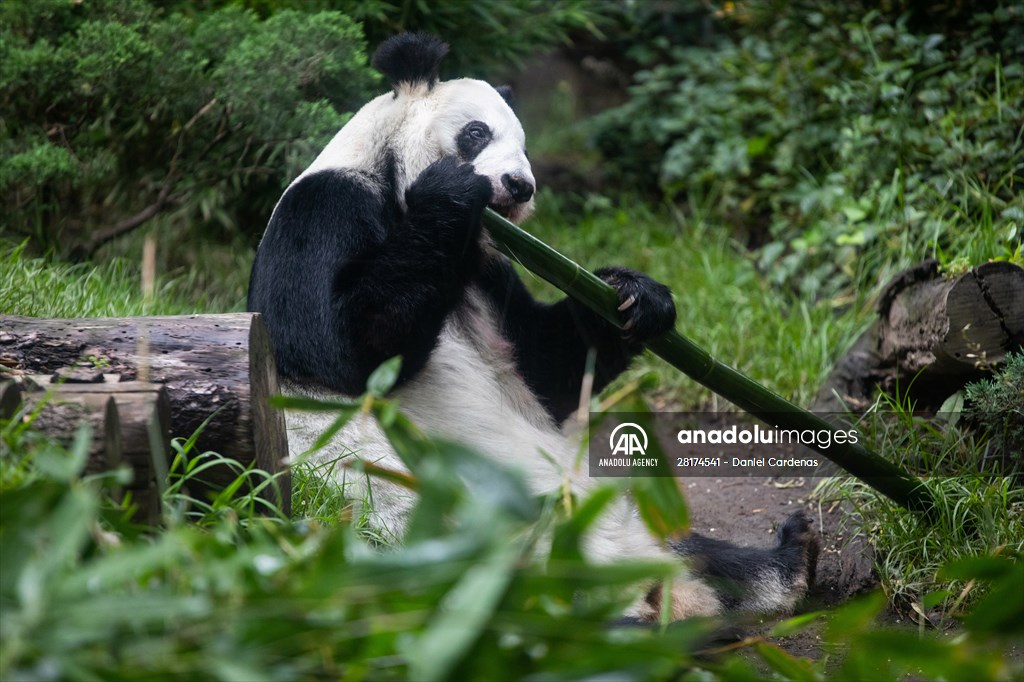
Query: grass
x,y
39,287
213,276
979,508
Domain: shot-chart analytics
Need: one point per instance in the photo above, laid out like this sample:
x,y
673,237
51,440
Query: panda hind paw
x,y
796,533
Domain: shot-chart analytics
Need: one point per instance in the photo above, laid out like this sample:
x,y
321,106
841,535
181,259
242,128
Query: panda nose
x,y
519,187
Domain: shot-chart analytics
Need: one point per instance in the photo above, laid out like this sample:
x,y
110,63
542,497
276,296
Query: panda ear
x,y
507,94
410,58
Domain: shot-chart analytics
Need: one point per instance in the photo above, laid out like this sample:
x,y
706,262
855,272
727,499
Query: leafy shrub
x,y
471,593
118,112
487,39
996,407
840,140
114,112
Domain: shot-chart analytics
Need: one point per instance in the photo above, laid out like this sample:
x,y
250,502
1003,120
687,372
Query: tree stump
x,y
217,369
130,425
932,336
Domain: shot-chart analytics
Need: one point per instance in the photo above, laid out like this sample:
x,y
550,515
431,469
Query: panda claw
x,y
646,305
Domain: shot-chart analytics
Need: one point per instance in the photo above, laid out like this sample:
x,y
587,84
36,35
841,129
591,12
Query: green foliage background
x,y
113,109
843,139
116,112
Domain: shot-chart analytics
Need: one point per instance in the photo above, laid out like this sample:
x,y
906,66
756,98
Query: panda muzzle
x,y
519,188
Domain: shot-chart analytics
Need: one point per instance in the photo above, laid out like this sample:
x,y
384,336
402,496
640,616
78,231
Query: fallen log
x,y
932,336
216,369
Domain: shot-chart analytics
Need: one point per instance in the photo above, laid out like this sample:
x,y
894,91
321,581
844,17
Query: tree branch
x,y
103,236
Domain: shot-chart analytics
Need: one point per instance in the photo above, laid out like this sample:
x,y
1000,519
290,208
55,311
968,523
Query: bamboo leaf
x,y
384,377
791,667
565,546
463,614
796,624
659,499
344,415
292,402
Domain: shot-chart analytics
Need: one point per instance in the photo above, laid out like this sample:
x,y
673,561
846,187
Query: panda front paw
x,y
450,185
444,206
645,305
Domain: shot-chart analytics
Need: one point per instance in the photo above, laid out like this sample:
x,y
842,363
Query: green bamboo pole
x,y
699,365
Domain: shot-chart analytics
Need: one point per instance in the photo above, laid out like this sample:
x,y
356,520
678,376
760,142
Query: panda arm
x,y
397,294
346,280
552,340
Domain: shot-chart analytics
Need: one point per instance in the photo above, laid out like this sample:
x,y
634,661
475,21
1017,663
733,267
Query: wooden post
x,y
214,367
130,426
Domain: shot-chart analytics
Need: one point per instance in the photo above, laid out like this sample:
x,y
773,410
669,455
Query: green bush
x,y
842,141
488,38
197,115
114,112
996,407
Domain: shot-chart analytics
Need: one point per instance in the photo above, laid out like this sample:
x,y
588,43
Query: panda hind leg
x,y
751,579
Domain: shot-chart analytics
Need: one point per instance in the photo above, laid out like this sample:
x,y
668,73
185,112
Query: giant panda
x,y
376,250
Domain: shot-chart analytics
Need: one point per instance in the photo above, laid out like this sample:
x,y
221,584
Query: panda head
x,y
424,119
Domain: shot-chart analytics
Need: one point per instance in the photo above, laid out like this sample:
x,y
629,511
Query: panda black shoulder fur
x,y
376,250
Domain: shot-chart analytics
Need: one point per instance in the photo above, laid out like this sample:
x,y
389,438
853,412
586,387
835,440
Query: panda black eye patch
x,y
472,139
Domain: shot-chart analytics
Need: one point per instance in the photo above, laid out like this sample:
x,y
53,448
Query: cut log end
x,y
269,432
217,371
932,336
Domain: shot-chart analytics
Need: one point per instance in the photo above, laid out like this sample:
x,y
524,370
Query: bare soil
x,y
747,511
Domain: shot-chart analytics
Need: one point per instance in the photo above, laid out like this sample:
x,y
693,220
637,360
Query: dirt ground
x,y
746,509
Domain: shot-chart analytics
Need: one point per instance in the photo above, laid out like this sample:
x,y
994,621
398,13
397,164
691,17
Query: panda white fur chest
x,y
376,250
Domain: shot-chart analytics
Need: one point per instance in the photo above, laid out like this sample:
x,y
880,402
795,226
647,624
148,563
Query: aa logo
x,y
628,439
